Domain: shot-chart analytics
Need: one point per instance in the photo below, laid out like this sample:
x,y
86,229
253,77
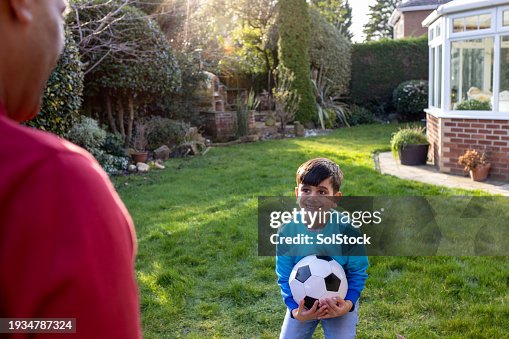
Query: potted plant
x,y
410,145
475,163
140,153
270,119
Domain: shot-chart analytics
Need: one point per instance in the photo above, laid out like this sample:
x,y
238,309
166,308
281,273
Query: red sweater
x,y
67,242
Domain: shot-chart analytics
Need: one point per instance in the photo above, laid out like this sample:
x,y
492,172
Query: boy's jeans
x,y
340,328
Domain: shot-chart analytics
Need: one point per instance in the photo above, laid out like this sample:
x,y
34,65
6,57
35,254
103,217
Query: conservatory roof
x,y
460,6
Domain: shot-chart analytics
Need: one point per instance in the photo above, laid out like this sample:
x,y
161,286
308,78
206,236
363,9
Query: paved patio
x,y
386,164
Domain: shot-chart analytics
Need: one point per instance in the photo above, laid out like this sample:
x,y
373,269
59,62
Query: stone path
x,y
386,164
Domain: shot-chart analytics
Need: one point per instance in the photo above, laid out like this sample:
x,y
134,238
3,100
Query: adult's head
x,y
31,40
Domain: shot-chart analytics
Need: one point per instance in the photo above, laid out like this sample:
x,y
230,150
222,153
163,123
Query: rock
x,y
142,167
159,166
253,137
162,153
250,138
131,168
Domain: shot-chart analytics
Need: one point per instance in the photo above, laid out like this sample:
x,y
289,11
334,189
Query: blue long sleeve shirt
x,y
355,266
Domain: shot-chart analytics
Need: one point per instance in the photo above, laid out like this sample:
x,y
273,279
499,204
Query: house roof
x,y
418,3
460,6
415,5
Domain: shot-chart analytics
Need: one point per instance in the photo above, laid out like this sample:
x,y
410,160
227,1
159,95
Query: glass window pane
x,y
458,25
432,78
503,98
438,31
471,70
484,21
431,36
471,23
439,78
506,18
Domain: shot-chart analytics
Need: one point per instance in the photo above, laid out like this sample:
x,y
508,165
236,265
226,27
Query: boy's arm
x,y
356,275
284,266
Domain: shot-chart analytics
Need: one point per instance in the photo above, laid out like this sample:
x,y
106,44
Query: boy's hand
x,y
303,314
336,307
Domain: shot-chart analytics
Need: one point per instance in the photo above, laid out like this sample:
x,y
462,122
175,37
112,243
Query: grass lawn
x,y
200,275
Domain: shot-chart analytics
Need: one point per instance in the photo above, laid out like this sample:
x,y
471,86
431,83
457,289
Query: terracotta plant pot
x,y
480,173
414,155
139,157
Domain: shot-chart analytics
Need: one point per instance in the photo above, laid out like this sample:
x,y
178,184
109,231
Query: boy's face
x,y
317,197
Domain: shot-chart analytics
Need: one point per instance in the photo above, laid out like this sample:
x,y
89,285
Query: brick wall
x,y
251,122
222,126
412,22
433,133
458,135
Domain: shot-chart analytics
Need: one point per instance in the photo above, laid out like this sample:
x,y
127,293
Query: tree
x,y
378,26
253,36
293,44
127,56
336,12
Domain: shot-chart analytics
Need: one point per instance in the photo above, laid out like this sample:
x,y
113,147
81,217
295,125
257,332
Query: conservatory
x,y
469,83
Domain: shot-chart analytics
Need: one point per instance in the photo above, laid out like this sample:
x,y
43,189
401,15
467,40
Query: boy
x,y
318,184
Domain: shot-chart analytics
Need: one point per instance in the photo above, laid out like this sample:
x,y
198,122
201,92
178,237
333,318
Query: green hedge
x,y
379,67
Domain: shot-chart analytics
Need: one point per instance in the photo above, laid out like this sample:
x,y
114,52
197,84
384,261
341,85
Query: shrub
x,y
473,105
287,99
331,111
163,131
379,66
242,117
63,94
330,52
360,115
410,98
99,143
87,134
114,145
407,136
111,164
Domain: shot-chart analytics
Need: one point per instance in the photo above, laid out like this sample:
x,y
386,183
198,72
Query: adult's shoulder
x,y
31,147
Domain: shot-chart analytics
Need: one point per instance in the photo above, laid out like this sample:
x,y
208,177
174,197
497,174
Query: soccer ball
x,y
317,277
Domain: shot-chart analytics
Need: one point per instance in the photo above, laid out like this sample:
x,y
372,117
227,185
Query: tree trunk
x,y
130,121
269,70
121,117
111,120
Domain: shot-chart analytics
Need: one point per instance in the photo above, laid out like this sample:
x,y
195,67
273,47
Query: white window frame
x,y
500,19
492,29
446,39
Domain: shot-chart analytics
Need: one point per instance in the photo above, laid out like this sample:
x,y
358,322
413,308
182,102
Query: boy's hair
x,y
314,171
